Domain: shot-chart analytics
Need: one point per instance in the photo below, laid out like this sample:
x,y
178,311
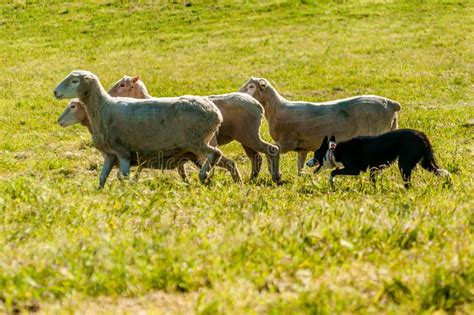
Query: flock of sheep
x,y
132,128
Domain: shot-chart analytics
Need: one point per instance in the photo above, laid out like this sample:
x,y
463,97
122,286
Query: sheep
x,y
76,113
242,117
301,126
133,87
129,87
164,131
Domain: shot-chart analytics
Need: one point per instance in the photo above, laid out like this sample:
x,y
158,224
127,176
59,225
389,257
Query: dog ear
x,y
332,143
324,144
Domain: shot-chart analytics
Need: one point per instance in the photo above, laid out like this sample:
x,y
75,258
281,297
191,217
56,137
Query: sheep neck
x,y
143,90
87,123
95,102
273,103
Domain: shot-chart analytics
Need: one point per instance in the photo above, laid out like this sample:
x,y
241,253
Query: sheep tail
x,y
394,125
395,106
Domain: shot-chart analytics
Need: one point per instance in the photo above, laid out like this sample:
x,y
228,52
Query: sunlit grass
x,y
303,247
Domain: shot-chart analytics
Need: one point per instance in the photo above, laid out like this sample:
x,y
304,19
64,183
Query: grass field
x,y
165,247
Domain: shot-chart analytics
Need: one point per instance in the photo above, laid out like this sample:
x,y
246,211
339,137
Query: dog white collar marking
x,y
331,158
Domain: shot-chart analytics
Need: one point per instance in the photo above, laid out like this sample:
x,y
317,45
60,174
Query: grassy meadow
x,y
162,246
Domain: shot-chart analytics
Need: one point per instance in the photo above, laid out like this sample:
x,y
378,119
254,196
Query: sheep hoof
x,y
203,178
237,179
279,182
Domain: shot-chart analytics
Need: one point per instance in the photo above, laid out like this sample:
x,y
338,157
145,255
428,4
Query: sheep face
x,y
255,87
127,87
74,113
73,85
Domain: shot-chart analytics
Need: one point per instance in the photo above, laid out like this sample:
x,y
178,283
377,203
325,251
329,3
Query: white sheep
x,y
242,118
75,112
301,126
164,131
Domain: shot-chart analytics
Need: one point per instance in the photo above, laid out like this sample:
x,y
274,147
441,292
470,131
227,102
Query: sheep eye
x,y
122,85
73,106
75,81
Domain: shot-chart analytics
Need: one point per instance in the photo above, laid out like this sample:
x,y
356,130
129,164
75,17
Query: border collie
x,y
376,152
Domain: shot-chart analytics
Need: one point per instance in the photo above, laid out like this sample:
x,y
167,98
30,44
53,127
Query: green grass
x,y
163,246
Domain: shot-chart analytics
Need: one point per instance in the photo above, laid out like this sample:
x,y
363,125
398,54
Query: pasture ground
x,y
165,247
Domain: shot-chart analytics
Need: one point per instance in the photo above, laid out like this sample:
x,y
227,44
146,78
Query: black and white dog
x,y
376,152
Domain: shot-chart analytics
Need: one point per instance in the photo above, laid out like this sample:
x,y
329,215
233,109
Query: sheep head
x,y
74,113
255,87
129,87
76,84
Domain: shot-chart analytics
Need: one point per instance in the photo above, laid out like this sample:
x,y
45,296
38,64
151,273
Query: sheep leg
x,y
272,153
182,172
230,166
109,162
274,168
138,172
124,167
227,164
273,158
213,156
256,160
301,159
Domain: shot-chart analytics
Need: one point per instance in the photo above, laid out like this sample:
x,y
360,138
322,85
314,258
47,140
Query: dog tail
x,y
429,161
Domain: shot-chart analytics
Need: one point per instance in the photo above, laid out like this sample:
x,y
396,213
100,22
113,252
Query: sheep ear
x,y
333,139
135,79
88,77
262,84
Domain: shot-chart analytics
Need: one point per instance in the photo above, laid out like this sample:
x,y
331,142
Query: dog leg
x,y
373,172
406,175
406,166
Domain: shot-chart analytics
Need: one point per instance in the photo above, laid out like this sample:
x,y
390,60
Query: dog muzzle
x,y
312,163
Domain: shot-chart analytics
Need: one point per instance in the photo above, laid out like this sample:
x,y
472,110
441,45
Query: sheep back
x,y
345,119
241,113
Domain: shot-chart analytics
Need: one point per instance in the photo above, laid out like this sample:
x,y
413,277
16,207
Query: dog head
x,y
321,157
